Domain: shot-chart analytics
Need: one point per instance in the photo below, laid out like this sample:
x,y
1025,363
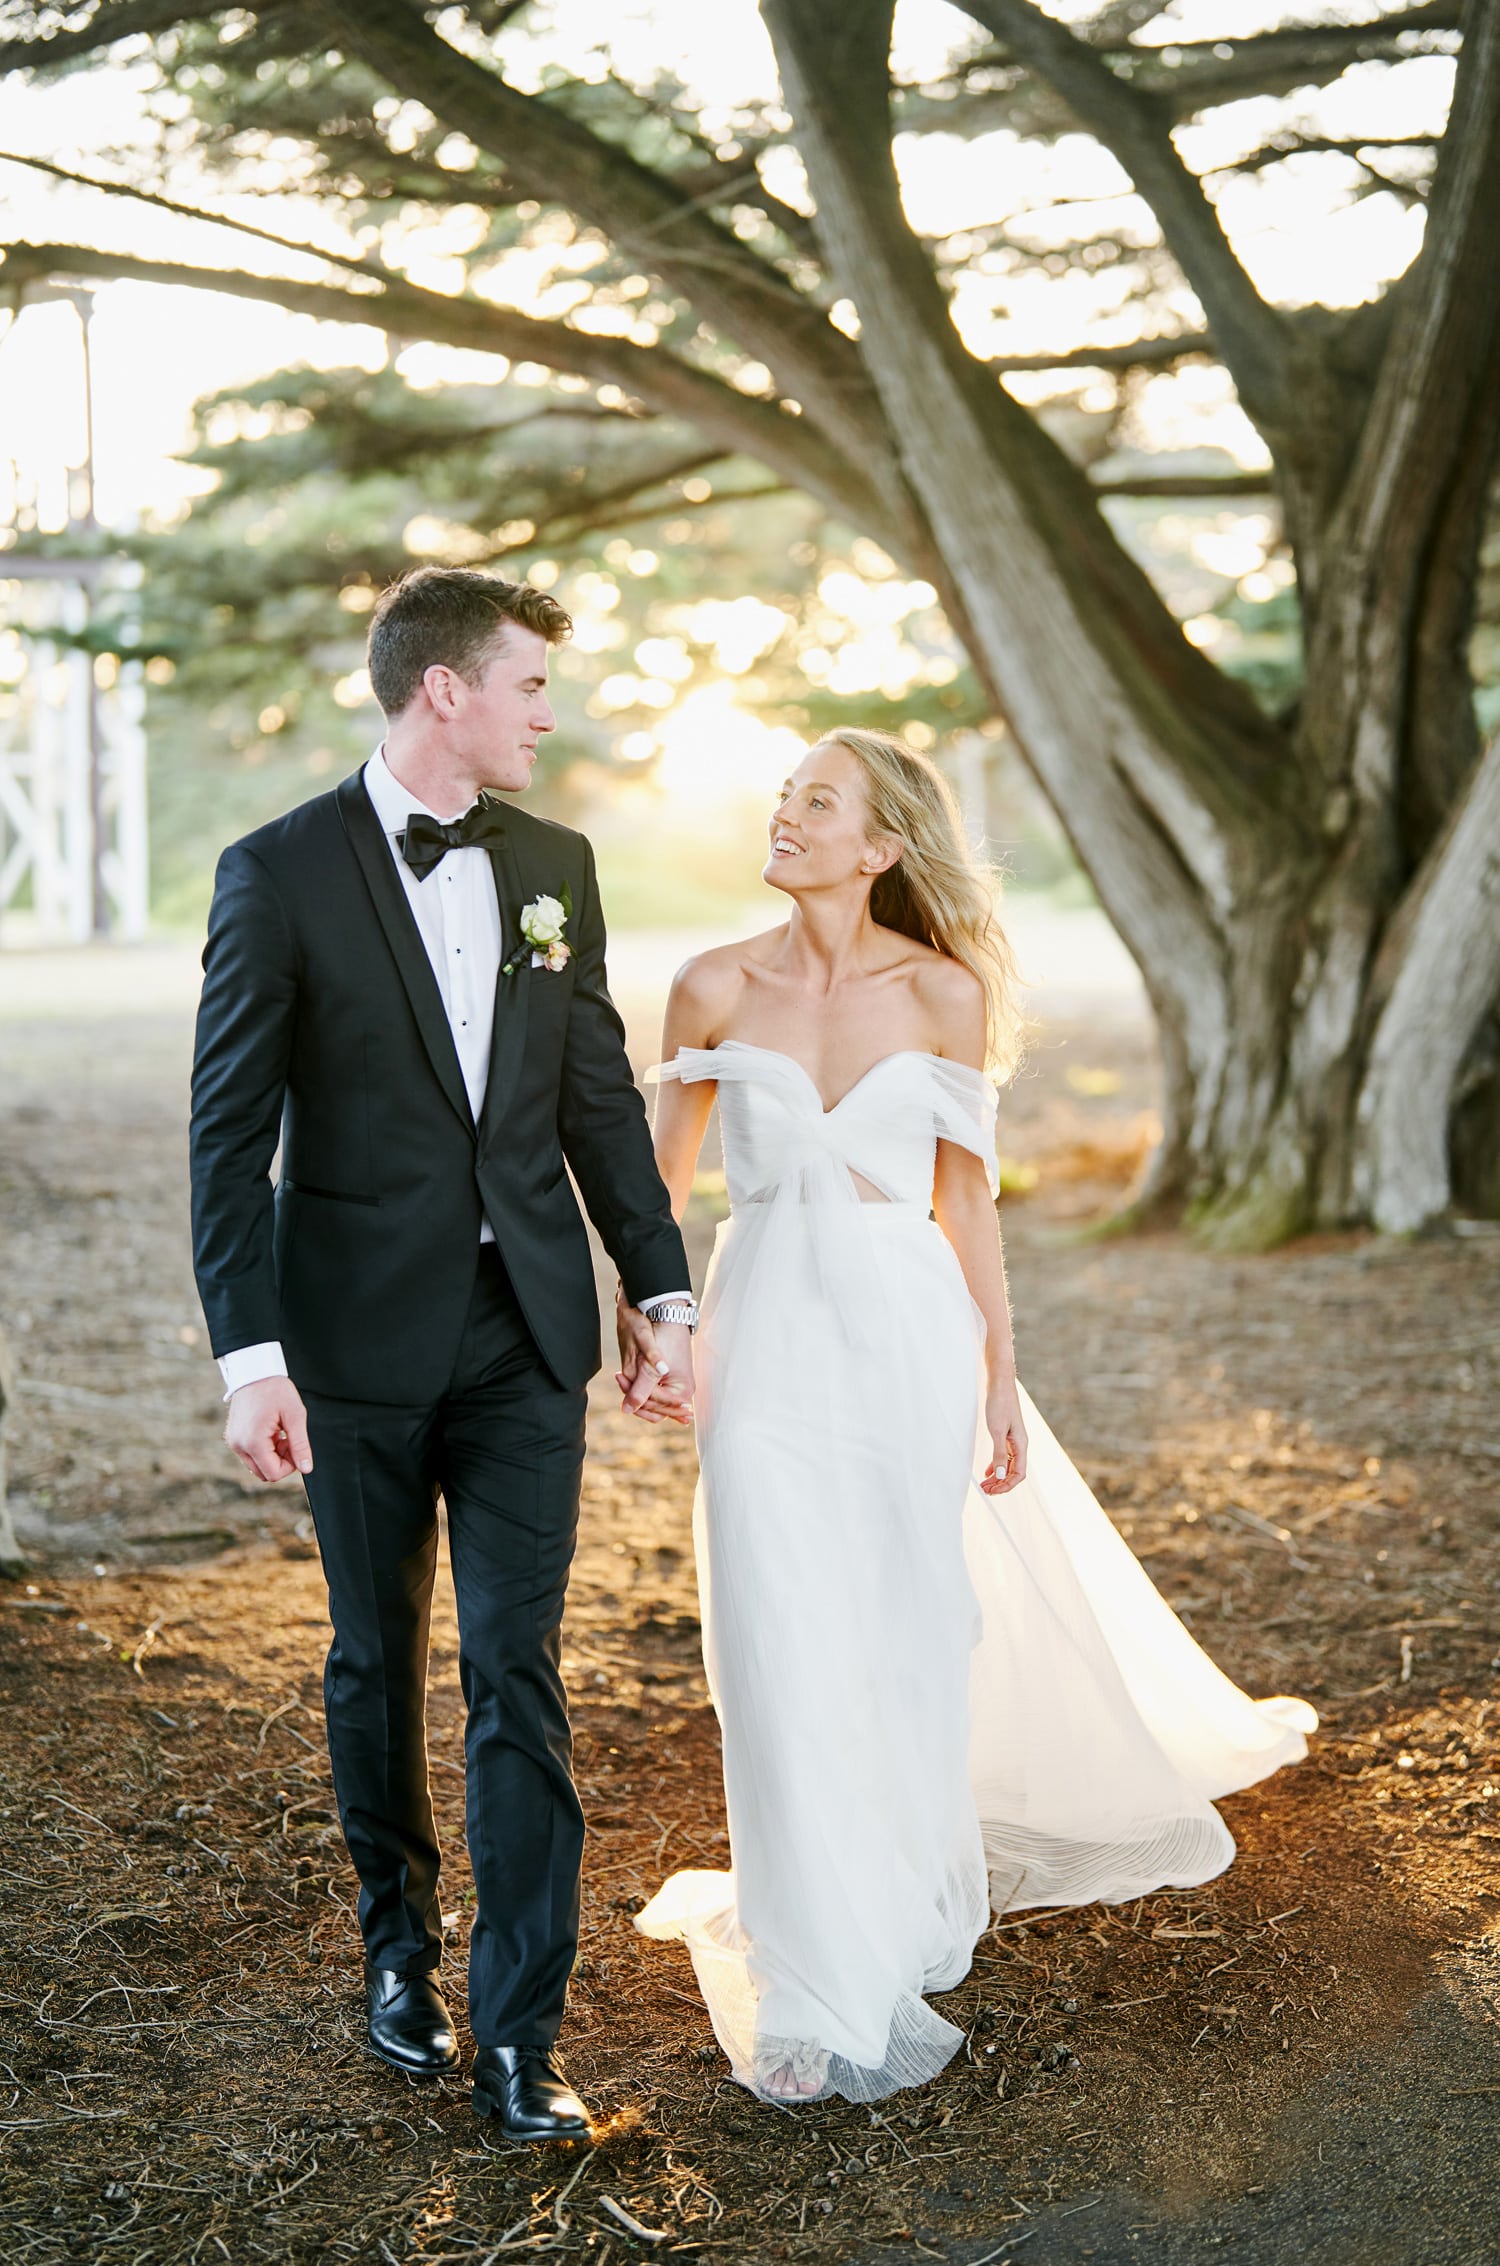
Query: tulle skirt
x,y
934,1704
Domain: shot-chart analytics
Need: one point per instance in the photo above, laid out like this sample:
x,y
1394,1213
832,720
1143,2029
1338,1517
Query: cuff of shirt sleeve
x,y
665,1298
250,1363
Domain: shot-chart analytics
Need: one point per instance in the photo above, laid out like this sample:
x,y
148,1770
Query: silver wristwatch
x,y
683,1311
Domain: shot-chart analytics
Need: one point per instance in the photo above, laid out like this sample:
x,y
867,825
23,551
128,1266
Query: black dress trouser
x,y
504,1448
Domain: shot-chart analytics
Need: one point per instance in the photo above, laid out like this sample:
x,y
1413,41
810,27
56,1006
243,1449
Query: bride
x,y
945,1685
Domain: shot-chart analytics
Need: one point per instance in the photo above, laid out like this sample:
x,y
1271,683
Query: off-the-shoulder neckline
x,y
829,1109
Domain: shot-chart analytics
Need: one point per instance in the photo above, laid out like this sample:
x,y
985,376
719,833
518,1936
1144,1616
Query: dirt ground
x,y
1298,2062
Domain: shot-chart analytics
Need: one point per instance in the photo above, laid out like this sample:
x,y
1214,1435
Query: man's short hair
x,y
452,616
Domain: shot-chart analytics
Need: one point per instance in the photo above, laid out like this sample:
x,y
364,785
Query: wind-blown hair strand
x,y
940,891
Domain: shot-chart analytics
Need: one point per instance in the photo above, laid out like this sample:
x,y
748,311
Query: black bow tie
x,y
427,841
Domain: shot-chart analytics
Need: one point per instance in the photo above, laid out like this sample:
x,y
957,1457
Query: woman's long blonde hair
x,y
939,891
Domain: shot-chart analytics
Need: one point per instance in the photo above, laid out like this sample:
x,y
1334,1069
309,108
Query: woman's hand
x,y
1007,1431
655,1374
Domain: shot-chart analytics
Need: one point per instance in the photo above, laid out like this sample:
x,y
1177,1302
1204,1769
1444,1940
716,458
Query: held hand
x,y
1007,1431
656,1367
267,1429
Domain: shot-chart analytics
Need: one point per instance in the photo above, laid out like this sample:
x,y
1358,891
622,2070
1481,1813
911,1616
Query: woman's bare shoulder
x,y
938,980
953,1005
711,982
946,979
726,964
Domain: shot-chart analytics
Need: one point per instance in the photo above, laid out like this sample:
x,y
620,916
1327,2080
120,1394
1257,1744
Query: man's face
x,y
499,720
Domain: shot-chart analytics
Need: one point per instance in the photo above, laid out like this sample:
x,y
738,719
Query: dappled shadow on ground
x,y
1298,2060
181,1979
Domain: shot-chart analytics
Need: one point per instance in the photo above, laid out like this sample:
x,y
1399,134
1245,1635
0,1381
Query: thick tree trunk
x,y
1386,731
1253,894
1440,973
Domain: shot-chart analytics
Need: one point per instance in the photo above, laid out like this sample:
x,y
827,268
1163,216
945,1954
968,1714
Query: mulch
x,y
1303,1450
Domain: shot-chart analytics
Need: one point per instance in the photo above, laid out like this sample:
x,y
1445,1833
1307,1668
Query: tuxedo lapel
x,y
512,992
373,851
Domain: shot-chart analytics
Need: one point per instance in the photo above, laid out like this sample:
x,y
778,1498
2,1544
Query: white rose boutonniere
x,y
542,924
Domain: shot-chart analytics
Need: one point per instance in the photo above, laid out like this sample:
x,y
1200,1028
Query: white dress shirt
x,y
458,918
458,915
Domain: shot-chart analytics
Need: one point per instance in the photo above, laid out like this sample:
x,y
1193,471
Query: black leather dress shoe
x,y
409,2026
525,2089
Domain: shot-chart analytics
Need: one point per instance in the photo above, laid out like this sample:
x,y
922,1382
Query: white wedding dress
x,y
933,1702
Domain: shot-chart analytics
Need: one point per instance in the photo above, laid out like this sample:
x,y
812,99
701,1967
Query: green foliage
x,y
327,485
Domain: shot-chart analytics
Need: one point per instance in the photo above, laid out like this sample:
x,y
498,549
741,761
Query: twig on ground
x,y
632,2226
560,2218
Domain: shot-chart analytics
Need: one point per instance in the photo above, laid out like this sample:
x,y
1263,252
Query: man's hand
x,y
656,1366
267,1429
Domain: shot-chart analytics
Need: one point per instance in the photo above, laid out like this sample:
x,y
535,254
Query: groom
x,y
404,986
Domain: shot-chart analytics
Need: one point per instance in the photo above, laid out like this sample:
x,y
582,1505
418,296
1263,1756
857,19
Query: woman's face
x,y
819,830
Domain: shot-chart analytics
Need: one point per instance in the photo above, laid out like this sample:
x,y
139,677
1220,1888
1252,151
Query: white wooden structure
x,y
73,845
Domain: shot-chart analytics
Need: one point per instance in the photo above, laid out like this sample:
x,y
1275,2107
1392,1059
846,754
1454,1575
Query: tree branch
x,y
1186,484
382,444
721,182
1329,145
1317,145
791,447
556,158
609,506
1133,354
744,297
1203,75
358,263
111,21
1138,131
558,531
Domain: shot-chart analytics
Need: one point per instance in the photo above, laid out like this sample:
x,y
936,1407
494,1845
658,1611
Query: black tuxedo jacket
x,y
321,1024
